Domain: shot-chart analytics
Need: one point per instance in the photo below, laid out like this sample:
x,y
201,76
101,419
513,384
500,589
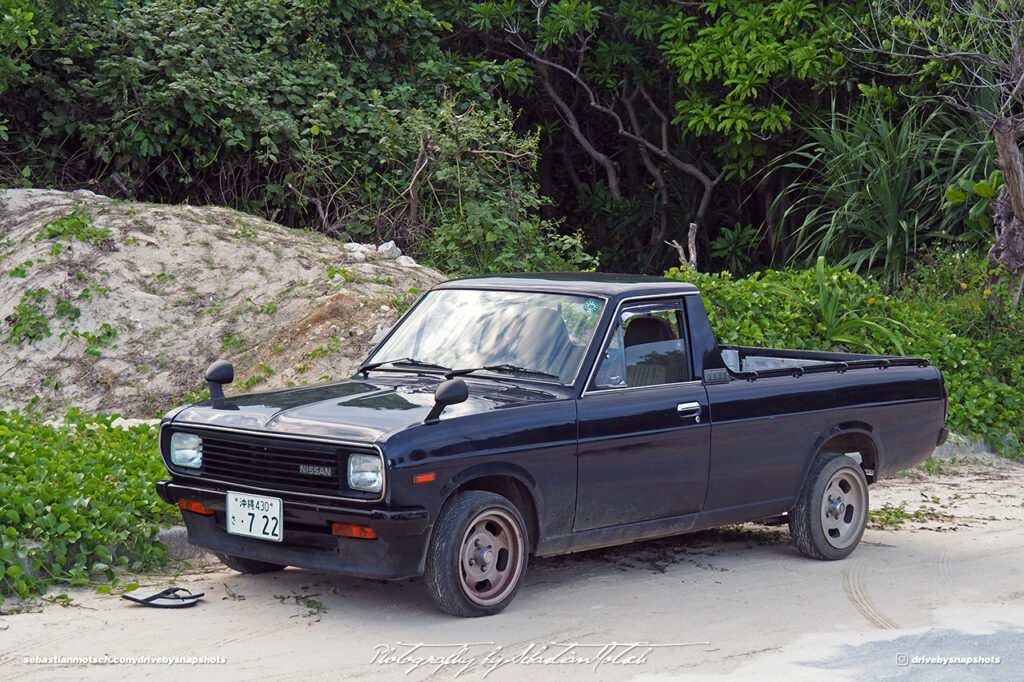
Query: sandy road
x,y
737,603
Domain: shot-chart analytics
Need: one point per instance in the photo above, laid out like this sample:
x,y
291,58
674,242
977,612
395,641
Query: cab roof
x,y
609,285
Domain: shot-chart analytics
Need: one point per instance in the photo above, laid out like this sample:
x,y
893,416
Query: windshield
x,y
467,328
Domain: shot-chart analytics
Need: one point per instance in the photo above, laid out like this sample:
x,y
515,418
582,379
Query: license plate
x,y
254,516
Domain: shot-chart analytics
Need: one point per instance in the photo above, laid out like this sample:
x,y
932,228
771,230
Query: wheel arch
x,y
511,482
849,438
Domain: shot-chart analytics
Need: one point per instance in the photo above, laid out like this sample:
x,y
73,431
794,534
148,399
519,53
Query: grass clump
x,y
28,321
76,225
891,516
77,501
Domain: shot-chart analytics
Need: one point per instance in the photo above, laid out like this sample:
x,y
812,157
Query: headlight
x,y
366,473
186,450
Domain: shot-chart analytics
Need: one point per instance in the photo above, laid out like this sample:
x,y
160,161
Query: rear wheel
x,y
477,554
244,565
832,512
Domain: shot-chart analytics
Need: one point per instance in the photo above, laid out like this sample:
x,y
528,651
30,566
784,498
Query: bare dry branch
x,y
421,163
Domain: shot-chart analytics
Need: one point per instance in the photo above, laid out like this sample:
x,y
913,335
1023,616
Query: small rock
x,y
385,309
143,238
357,256
129,423
175,540
405,261
88,195
389,250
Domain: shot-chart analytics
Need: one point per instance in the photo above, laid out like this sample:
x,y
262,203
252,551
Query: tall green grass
x,y
872,184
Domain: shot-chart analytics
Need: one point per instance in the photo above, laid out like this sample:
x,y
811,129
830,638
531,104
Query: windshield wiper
x,y
401,361
513,369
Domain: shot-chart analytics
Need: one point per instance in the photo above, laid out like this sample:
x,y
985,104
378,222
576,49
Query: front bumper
x,y
398,551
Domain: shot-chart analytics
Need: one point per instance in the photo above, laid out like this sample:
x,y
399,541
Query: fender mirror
x,y
450,392
219,374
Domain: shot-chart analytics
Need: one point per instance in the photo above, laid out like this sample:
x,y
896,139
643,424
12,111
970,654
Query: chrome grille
x,y
274,463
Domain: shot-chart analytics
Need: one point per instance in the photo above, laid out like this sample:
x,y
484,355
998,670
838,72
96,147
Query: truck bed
x,y
750,363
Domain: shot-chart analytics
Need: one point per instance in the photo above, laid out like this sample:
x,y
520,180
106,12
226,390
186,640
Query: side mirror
x,y
218,374
451,392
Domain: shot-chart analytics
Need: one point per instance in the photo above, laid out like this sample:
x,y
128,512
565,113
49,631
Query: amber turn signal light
x,y
195,506
353,530
425,478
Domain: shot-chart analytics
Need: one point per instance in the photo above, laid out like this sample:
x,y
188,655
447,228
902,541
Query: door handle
x,y
689,410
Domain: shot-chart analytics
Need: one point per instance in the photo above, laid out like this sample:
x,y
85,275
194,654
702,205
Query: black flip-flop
x,y
171,598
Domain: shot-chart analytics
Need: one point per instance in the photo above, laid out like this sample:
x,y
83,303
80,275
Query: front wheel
x,y
477,554
832,512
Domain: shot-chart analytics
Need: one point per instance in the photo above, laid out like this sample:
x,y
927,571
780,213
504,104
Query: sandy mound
x,y
117,306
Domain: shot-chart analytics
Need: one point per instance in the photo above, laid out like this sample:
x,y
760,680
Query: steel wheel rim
x,y
491,557
844,508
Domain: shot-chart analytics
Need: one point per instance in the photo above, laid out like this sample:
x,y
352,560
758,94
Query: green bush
x,y
77,501
791,308
955,286
474,206
974,200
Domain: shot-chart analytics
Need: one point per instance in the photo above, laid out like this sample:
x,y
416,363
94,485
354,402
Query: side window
x,y
647,348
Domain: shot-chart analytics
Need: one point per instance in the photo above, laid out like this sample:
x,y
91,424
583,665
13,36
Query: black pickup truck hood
x,y
358,410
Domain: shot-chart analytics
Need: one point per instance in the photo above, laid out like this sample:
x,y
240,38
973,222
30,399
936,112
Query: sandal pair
x,y
171,598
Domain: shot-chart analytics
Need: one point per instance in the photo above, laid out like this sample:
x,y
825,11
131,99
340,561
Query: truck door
x,y
644,431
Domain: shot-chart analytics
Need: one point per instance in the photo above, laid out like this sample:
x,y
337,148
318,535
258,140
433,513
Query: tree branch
x,y
567,115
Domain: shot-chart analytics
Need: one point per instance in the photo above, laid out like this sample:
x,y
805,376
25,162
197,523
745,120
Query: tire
x,y
243,565
477,554
832,512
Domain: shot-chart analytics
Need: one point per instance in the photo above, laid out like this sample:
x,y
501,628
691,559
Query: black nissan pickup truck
x,y
543,414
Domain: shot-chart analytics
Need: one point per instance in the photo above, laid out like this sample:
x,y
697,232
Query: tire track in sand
x,y
857,592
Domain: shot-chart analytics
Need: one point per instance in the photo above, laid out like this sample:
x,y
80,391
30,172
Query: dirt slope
x,y
119,307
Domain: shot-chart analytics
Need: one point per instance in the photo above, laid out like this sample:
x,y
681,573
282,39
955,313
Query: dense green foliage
x,y
722,58
76,501
943,315
658,112
307,111
613,126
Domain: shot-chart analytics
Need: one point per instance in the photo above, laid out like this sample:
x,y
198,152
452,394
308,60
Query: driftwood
x,y
688,258
421,162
